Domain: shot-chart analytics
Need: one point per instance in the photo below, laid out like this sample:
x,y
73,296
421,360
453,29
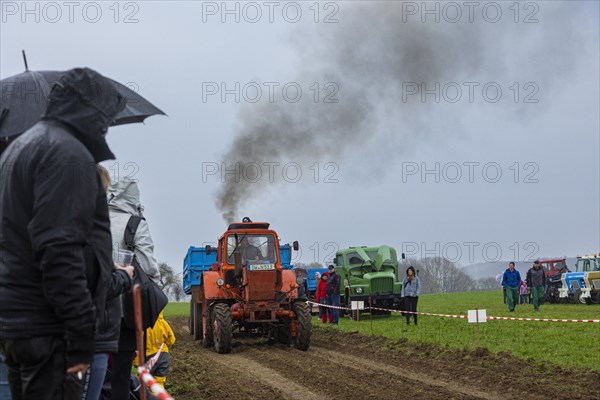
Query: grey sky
x,y
170,52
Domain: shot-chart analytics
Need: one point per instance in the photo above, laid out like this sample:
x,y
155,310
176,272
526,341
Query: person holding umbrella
x,y
51,203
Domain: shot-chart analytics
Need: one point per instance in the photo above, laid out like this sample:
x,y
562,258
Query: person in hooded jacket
x,y
321,298
108,319
123,203
51,206
159,337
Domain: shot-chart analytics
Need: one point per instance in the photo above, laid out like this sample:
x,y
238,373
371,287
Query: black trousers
x,y
121,374
410,304
37,369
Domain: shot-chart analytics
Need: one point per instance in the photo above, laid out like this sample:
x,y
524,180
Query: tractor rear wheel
x,y
222,328
304,320
282,332
207,341
198,331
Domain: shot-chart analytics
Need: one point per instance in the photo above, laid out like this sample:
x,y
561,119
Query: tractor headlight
x,y
359,290
220,281
300,280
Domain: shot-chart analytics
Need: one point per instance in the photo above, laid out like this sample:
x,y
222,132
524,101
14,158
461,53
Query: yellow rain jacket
x,y
160,333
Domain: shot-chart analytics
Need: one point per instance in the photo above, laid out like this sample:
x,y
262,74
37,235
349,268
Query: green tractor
x,y
369,274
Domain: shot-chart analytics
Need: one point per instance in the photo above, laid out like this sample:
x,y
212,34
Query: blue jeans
x,y
94,377
334,300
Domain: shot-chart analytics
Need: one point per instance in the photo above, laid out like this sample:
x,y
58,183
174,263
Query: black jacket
x,y
333,284
51,207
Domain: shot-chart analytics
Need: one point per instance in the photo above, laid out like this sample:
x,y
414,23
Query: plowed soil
x,y
354,366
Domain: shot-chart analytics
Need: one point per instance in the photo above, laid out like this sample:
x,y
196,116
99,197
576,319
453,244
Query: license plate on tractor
x,y
261,267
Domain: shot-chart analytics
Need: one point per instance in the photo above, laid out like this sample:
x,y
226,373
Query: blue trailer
x,y
312,282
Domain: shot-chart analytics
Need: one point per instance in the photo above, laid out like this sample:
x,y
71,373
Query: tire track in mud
x,y
339,377
244,365
344,358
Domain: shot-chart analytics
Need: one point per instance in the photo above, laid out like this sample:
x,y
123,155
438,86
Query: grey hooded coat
x,y
123,202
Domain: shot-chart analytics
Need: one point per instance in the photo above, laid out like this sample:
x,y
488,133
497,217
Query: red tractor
x,y
248,289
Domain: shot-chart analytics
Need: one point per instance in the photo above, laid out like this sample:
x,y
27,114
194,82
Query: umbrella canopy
x,y
24,97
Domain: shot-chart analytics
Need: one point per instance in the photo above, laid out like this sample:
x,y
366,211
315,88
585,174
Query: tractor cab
x,y
251,288
554,266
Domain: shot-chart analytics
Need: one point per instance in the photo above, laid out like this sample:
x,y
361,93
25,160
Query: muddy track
x,y
351,366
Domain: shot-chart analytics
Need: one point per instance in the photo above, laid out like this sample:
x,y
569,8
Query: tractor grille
x,y
382,285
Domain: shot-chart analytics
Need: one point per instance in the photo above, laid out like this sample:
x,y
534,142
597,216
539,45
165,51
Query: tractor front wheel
x,y
222,328
304,320
578,299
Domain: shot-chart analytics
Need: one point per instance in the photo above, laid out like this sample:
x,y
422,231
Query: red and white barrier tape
x,y
158,390
544,319
463,316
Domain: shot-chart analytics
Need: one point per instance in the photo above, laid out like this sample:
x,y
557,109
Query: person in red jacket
x,y
321,297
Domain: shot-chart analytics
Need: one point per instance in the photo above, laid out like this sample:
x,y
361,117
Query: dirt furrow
x,y
344,358
244,365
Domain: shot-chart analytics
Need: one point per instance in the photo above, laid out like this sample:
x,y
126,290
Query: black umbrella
x,y
23,100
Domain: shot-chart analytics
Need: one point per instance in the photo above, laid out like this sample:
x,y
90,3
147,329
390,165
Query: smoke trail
x,y
370,53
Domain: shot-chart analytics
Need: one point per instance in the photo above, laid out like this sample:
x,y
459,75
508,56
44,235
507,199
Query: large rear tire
x,y
207,341
222,328
191,319
198,331
304,320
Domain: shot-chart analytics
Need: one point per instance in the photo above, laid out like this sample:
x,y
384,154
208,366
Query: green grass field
x,y
561,343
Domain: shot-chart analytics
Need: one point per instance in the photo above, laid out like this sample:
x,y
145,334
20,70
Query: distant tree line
x,y
438,275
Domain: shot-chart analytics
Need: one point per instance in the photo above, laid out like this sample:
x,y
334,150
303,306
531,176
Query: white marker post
x,y
476,317
357,306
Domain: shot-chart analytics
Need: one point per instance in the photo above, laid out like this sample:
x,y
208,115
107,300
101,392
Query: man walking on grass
x,y
536,280
510,281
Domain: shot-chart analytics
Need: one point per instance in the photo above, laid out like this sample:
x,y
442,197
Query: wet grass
x,y
561,343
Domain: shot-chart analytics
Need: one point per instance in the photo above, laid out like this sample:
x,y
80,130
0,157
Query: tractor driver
x,y
249,251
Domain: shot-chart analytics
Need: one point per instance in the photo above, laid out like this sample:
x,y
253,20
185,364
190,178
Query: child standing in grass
x,y
524,293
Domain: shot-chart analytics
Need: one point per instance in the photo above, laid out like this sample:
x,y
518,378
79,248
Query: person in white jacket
x,y
123,203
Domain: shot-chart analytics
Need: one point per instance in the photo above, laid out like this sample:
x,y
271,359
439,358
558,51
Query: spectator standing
x,y
536,280
333,294
123,204
303,289
510,281
108,317
523,292
411,289
51,205
321,298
